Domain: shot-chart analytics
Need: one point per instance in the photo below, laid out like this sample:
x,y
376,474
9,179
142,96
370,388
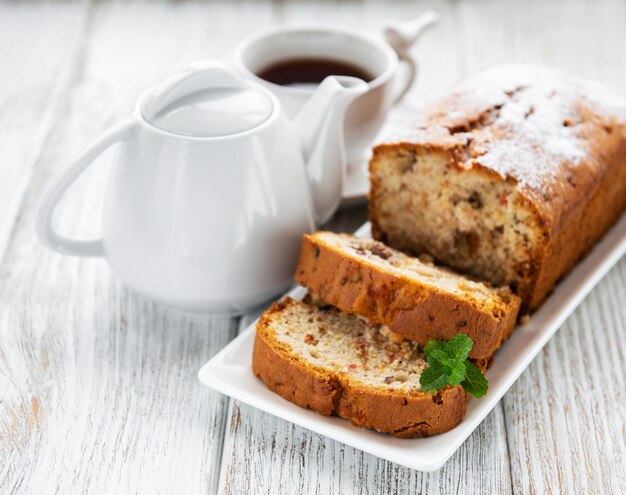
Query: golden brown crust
x,y
560,139
416,311
588,221
400,414
550,132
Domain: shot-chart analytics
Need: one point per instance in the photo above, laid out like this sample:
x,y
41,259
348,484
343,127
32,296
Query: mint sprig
x,y
475,382
448,365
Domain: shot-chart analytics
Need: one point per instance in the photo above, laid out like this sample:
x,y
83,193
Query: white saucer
x,y
357,185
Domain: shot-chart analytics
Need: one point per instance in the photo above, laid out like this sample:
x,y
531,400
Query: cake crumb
x,y
426,258
395,338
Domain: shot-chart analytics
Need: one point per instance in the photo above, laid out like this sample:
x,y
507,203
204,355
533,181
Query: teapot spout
x,y
319,125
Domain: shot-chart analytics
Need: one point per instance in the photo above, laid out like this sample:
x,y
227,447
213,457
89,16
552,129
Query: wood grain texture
x,y
37,57
98,388
566,415
32,84
264,454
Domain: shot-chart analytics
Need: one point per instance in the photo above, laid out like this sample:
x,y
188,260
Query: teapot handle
x,y
401,37
43,221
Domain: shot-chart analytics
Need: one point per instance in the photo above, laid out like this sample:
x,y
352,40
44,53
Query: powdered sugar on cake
x,y
532,125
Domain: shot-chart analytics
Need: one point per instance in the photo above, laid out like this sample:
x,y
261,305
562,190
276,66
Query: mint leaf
x,y
454,368
433,344
448,365
441,357
475,382
434,377
457,374
459,347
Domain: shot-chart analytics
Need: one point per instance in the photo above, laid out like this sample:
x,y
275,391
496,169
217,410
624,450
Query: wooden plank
x,y
38,44
566,415
263,454
578,36
99,386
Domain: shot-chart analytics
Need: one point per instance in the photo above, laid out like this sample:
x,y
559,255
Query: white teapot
x,y
213,188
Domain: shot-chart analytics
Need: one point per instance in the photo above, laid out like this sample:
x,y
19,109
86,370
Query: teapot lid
x,y
207,100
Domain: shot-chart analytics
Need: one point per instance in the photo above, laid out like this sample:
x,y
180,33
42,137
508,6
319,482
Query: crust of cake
x,y
414,310
402,415
558,139
589,220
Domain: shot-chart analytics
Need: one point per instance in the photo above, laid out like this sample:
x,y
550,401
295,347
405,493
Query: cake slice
x,y
414,298
339,364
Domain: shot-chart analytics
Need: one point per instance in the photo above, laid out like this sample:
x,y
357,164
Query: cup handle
x,y
43,221
401,37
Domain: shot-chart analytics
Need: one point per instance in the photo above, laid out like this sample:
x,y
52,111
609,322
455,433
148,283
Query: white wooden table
x,y
98,388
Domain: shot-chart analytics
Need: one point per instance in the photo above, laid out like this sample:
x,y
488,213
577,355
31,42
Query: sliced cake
x,y
339,364
414,298
511,177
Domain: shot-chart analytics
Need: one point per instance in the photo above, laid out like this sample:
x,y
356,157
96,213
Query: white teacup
x,y
372,54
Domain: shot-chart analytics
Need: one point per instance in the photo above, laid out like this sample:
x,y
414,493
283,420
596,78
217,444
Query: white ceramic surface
x,y
212,188
355,186
367,113
230,370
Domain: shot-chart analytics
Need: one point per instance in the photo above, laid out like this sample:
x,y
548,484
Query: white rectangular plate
x,y
230,370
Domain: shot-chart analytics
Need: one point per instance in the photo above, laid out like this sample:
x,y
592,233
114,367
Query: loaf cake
x,y
413,297
512,177
339,364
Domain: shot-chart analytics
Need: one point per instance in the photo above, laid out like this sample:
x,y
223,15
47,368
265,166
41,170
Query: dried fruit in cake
x,y
414,298
336,363
511,177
